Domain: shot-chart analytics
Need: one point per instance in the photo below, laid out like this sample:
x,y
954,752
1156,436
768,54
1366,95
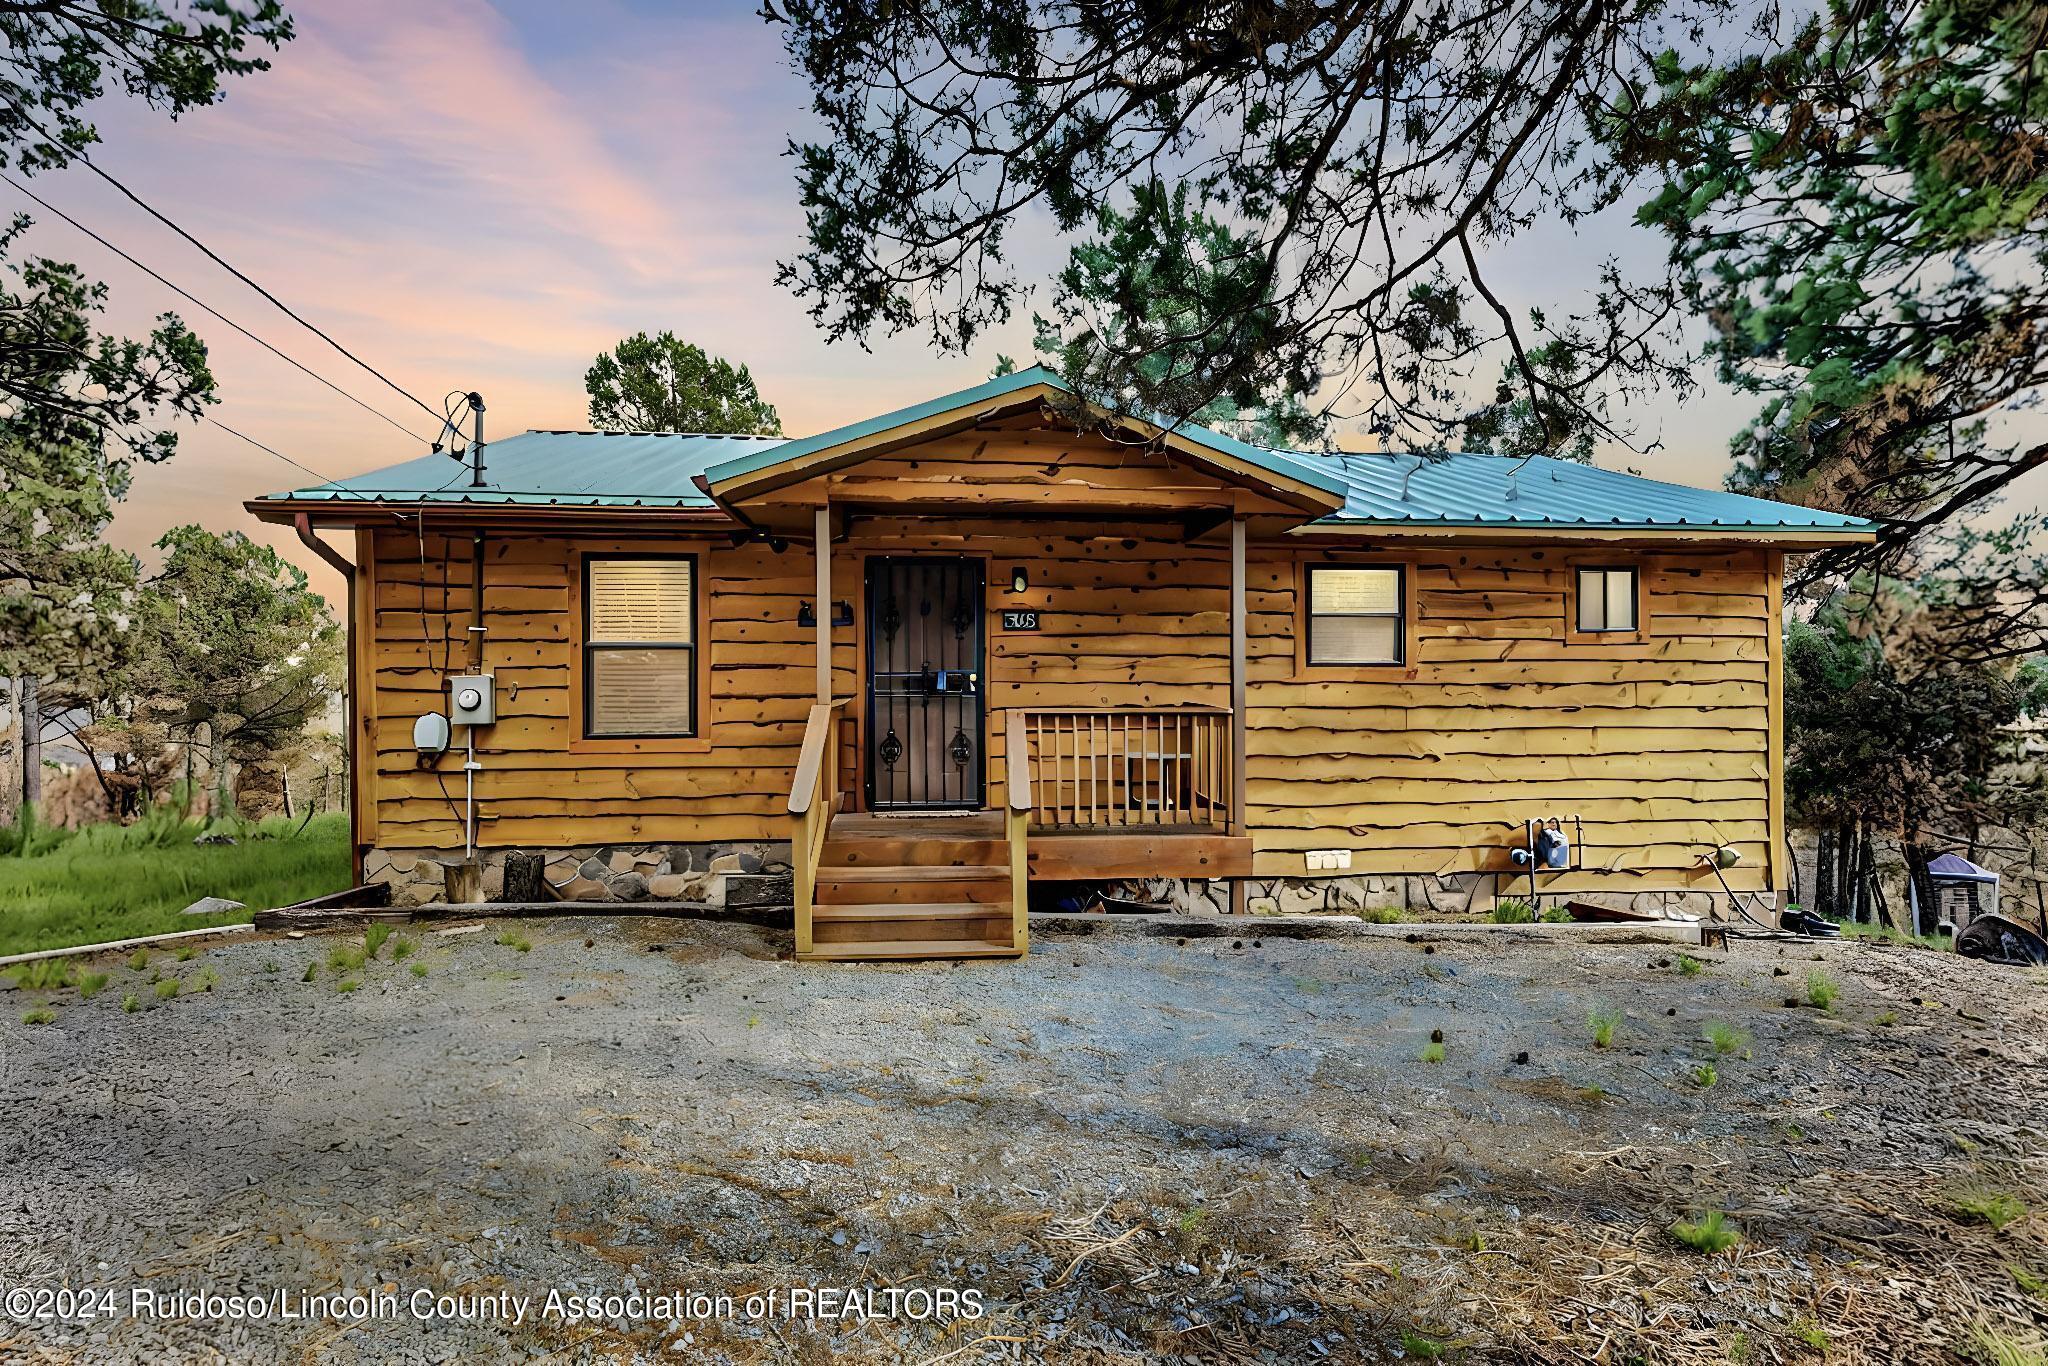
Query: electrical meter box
x,y
472,700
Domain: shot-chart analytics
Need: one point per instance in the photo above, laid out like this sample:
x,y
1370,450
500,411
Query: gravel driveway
x,y
1119,1150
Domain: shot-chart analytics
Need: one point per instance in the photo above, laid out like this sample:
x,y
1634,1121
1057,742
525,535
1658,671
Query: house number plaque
x,y
1020,621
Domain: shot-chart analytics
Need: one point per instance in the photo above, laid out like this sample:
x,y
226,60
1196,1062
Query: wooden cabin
x,y
954,659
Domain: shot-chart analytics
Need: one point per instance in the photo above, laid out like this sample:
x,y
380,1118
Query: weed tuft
x,y
1725,1038
374,935
1689,966
513,940
41,1015
1513,911
90,984
167,988
1710,1233
1821,990
1420,1346
348,984
1812,1334
1705,1075
1994,1346
185,953
138,960
403,948
1603,1022
131,1003
419,968
1433,1051
44,974
1380,915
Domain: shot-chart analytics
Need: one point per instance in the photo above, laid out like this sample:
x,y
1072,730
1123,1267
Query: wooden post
x,y
1237,690
822,551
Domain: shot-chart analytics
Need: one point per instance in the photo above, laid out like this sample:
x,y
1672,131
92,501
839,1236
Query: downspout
x,y
303,524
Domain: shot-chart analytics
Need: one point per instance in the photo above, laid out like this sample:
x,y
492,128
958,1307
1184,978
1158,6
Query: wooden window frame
x,y
1307,668
1636,634
697,740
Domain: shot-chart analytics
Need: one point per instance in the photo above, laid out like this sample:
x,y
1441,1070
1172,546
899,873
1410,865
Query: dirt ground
x,y
1128,1149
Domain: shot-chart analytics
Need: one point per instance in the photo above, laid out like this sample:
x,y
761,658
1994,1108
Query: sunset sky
x,y
478,196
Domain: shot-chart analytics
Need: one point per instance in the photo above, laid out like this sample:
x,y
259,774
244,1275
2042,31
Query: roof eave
x,y
361,511
1782,537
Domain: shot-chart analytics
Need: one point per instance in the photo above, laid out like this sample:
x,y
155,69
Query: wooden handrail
x,y
810,760
1017,764
813,799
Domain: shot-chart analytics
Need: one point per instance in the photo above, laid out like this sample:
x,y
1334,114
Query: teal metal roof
x,y
581,469
1467,490
660,469
1288,464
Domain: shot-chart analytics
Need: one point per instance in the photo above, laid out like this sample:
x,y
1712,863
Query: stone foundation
x,y
755,873
1414,896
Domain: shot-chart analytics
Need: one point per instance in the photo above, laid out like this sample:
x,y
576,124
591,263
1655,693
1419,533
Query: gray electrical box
x,y
472,700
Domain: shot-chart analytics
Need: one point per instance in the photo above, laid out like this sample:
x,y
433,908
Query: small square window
x,y
1607,600
639,647
1356,614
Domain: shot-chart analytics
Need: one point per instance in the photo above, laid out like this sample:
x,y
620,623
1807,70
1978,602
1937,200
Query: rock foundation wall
x,y
1415,897
710,874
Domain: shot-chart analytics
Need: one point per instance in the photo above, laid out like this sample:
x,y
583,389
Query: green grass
x,y
1996,1347
1555,915
403,948
1432,1052
1711,1232
1985,1205
1603,1023
1689,966
44,974
184,953
1821,990
1886,1019
312,972
115,882
2032,1282
418,968
40,1015
1812,1334
1513,911
1725,1038
346,958
512,940
374,936
347,984
1381,915
167,988
90,984
138,960
1885,934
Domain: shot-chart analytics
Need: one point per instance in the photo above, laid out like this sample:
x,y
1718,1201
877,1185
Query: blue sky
x,y
479,196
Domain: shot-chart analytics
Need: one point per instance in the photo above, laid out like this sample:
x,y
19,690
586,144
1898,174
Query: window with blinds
x,y
1607,600
640,647
1355,614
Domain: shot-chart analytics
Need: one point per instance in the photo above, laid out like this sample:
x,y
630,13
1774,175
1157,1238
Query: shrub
x,y
1380,915
1513,911
1710,1233
1555,915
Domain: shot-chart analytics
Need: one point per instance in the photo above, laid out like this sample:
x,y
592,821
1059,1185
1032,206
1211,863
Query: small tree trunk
x,y
284,782
1824,874
31,742
1880,908
525,879
1926,912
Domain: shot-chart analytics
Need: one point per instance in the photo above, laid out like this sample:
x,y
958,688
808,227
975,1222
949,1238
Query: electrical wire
x,y
197,302
222,261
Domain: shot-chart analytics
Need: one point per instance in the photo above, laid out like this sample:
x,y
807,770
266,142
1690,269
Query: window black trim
x,y
590,647
1399,616
1635,599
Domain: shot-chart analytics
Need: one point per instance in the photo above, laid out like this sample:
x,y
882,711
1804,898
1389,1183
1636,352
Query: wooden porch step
x,y
924,910
911,948
876,852
919,872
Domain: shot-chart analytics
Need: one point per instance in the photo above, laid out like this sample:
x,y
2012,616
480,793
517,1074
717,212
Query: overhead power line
x,y
197,302
226,265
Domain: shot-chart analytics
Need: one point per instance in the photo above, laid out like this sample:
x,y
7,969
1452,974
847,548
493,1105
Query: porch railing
x,y
813,799
1125,766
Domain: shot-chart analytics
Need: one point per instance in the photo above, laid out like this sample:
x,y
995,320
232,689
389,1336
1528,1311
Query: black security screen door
x,y
924,632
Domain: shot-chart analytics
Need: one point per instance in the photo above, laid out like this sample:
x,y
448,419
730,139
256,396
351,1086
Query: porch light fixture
x,y
1019,580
